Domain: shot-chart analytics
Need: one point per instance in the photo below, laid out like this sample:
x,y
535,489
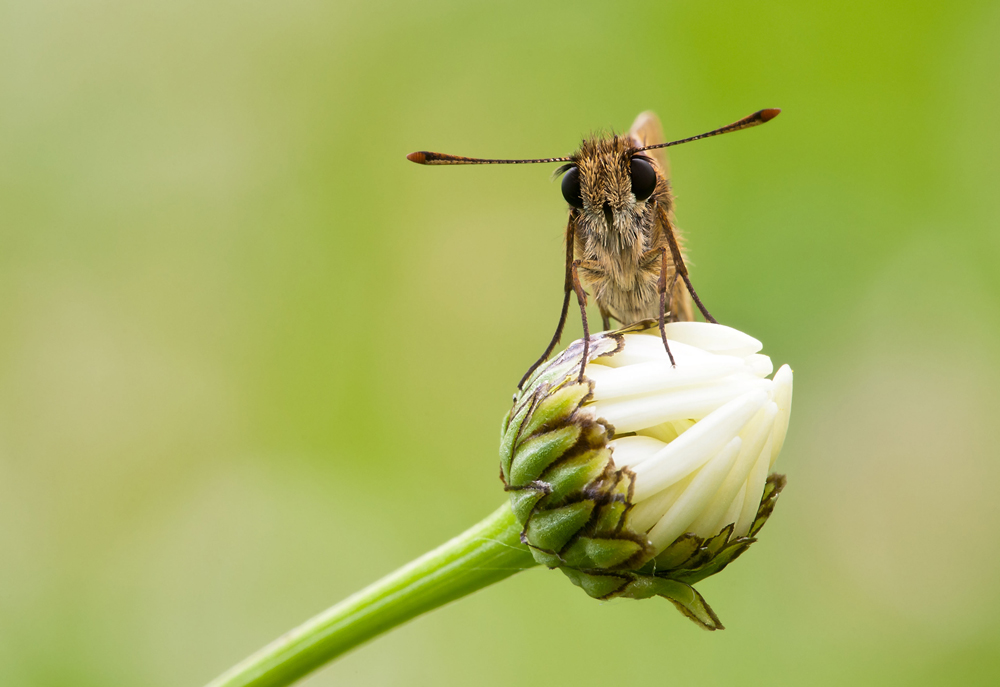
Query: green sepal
x,y
523,500
707,550
588,552
573,474
773,487
715,544
609,518
536,453
550,530
597,586
677,553
553,407
510,430
549,560
726,556
685,597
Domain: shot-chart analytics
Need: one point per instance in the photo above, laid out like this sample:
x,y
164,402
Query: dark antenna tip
x,y
758,117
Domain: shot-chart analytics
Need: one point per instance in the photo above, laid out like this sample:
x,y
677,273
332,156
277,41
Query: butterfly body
x,y
619,234
620,237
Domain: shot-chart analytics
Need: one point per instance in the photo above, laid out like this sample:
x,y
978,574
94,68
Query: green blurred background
x,y
252,359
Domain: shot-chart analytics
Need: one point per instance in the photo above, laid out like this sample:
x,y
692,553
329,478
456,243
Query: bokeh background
x,y
251,359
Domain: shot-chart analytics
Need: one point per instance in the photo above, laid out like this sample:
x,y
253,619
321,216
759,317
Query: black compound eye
x,y
571,187
643,178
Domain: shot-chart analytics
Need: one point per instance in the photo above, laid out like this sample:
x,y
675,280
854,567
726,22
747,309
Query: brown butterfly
x,y
620,238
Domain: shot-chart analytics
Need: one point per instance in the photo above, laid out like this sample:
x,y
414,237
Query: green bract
x,y
678,491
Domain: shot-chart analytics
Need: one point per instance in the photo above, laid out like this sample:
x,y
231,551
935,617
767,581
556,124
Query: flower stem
x,y
488,552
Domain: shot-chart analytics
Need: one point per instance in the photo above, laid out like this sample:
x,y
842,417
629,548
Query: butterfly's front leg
x,y
567,289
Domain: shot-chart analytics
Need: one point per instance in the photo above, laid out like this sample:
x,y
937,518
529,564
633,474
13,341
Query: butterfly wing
x,y
646,131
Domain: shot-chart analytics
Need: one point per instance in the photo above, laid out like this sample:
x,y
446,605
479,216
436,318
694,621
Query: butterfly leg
x,y
661,286
581,299
567,289
679,265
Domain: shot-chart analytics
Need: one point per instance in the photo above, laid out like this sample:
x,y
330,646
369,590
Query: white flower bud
x,y
645,477
699,437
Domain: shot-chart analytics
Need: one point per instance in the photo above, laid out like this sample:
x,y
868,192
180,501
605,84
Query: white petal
x,y
715,338
783,397
681,426
647,513
754,435
630,451
759,364
735,508
690,503
755,490
642,378
696,446
641,348
688,403
598,372
667,431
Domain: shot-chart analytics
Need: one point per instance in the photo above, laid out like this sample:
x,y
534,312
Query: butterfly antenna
x,y
753,120
425,157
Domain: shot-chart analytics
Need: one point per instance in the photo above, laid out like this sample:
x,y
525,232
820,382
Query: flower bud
x,y
647,477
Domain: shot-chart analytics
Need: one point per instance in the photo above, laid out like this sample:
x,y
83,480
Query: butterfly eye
x,y
571,187
643,178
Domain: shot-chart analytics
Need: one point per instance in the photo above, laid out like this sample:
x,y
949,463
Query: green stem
x,y
485,553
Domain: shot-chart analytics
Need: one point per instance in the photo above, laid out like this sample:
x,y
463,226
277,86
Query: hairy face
x,y
613,186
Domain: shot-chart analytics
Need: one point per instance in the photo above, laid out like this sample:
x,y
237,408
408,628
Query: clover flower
x,y
648,477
